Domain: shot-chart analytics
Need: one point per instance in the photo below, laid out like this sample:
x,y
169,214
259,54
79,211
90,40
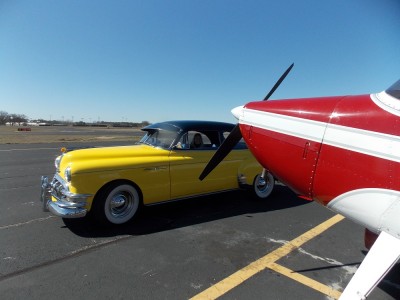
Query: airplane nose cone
x,y
237,112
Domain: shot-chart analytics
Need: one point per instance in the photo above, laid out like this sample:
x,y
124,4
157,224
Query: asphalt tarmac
x,y
225,246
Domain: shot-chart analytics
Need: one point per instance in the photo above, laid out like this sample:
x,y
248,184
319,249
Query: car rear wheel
x,y
262,187
117,204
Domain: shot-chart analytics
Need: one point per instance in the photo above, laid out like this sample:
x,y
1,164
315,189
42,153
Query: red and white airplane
x,y
343,152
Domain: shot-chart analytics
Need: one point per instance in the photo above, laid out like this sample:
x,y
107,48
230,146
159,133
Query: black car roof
x,y
186,125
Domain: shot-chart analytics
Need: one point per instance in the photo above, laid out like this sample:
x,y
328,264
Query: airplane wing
x,y
380,259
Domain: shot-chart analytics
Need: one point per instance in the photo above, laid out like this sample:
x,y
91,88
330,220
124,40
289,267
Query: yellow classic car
x,y
112,183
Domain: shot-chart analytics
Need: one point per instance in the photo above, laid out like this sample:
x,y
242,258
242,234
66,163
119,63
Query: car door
x,y
187,161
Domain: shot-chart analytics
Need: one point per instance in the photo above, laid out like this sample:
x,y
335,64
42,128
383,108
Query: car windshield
x,y
394,90
159,138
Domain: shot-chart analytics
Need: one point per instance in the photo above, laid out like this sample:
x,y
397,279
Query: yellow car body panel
x,y
185,173
160,175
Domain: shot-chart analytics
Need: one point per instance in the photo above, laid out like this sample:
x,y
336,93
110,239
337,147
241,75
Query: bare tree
x,y
3,117
17,118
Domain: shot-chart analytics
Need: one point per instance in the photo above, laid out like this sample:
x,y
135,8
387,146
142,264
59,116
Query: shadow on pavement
x,y
198,210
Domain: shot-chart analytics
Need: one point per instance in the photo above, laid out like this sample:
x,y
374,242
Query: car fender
x,y
248,170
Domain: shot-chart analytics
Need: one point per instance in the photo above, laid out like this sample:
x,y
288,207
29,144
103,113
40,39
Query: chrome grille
x,y
58,188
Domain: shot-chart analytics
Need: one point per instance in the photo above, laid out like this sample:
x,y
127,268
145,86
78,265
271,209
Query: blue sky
x,y
156,60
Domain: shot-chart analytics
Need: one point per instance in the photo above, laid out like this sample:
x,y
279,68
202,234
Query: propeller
x,y
235,135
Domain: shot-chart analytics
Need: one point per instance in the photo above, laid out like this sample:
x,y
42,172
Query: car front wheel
x,y
262,187
116,204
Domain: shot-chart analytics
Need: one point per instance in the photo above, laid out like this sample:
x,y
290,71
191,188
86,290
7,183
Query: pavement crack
x,y
26,223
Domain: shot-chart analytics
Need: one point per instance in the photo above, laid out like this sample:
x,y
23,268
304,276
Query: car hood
x,y
106,158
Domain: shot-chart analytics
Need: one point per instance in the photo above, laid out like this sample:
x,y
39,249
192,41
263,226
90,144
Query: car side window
x,y
196,140
183,142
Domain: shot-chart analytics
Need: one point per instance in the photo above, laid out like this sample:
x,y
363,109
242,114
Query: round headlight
x,y
67,174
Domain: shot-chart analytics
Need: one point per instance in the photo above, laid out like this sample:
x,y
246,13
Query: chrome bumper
x,y
60,207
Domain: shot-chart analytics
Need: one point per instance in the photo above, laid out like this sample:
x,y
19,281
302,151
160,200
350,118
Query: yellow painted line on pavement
x,y
322,288
268,261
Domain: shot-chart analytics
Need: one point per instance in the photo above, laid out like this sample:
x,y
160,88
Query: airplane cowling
x,y
286,136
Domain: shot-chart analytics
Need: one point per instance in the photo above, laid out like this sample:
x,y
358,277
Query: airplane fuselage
x,y
343,152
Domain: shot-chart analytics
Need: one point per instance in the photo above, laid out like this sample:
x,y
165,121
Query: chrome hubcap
x,y
118,201
121,205
262,184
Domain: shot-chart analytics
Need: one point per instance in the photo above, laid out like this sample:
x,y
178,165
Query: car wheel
x,y
117,204
262,187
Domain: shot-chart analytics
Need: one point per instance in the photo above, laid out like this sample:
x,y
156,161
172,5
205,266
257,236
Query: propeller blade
x,y
279,82
227,145
235,135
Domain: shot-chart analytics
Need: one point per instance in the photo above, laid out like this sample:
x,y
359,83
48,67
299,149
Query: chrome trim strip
x,y
155,168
